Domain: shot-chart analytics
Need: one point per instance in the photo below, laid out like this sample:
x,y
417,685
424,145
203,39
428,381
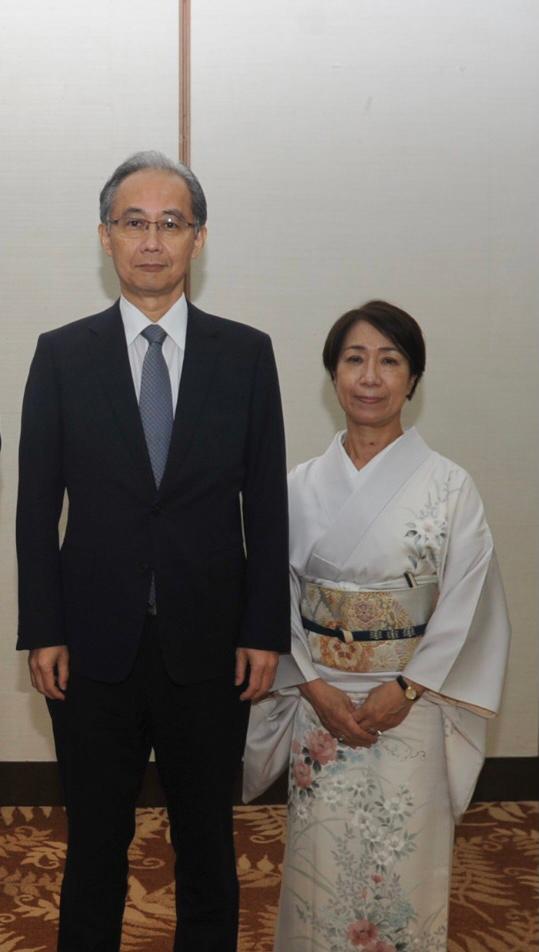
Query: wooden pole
x,y
185,81
185,94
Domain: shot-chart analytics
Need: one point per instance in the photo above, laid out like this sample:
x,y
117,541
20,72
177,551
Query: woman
x,y
399,645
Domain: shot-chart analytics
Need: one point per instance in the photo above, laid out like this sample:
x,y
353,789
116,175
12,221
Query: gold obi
x,y
367,630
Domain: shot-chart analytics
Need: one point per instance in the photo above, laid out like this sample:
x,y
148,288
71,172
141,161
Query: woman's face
x,y
372,378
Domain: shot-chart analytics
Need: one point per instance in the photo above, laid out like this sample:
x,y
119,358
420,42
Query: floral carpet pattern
x,y
494,897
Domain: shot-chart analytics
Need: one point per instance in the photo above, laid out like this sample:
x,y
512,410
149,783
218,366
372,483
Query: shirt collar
x,y
174,322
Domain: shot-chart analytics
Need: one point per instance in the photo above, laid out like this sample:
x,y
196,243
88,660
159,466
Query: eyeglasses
x,y
169,226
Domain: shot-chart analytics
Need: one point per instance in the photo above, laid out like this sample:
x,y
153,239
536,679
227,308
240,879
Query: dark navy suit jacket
x,y
214,534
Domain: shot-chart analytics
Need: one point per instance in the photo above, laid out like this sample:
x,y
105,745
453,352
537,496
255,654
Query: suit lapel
x,y
201,349
115,373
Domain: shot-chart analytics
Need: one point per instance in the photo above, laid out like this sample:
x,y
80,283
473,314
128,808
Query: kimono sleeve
x,y
463,653
296,667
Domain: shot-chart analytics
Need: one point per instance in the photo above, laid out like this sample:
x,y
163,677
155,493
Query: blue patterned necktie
x,y
155,404
156,401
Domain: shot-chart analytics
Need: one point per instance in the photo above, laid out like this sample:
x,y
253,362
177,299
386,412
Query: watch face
x,y
410,693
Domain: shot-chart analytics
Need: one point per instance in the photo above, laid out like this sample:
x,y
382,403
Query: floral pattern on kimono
x,y
426,534
368,903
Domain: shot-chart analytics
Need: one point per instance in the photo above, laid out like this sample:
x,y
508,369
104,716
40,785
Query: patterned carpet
x,y
494,891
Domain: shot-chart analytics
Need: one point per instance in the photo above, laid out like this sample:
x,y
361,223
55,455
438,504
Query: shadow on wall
x,y
107,277
412,411
197,278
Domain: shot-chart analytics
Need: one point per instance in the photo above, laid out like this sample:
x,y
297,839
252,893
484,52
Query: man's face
x,y
153,264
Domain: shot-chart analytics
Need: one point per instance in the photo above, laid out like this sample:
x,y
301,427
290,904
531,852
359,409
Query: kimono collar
x,y
367,492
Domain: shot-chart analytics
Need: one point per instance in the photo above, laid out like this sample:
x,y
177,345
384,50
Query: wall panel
x,y
82,86
374,148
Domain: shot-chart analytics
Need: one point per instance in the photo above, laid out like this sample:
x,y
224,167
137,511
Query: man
x,y
163,425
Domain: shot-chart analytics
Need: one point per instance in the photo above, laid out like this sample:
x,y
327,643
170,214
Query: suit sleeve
x,y
41,493
266,619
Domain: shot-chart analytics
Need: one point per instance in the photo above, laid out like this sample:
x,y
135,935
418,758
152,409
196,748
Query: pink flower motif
x,y
322,746
361,933
376,878
302,774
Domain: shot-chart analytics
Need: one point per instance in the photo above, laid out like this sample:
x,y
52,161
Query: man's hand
x,y
337,713
384,707
49,670
262,667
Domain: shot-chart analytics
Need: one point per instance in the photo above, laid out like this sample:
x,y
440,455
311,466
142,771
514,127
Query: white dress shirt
x,y
174,322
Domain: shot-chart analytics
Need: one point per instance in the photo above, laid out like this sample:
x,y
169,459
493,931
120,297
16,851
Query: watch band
x,y
410,692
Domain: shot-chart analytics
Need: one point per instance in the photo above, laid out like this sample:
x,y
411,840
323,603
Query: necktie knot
x,y
154,334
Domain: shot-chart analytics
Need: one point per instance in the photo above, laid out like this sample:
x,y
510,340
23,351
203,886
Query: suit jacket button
x,y
156,510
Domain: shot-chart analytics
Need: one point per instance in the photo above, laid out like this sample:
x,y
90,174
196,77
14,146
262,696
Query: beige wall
x,y
365,148
351,149
80,92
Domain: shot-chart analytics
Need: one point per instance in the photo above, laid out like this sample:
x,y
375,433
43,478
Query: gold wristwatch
x,y
409,692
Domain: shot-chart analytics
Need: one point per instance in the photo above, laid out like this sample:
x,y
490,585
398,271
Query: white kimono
x,y
392,570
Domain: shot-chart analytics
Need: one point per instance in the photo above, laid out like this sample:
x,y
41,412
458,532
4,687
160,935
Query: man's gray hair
x,y
153,160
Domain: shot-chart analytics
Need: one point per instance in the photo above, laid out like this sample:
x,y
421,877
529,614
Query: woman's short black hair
x,y
401,329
